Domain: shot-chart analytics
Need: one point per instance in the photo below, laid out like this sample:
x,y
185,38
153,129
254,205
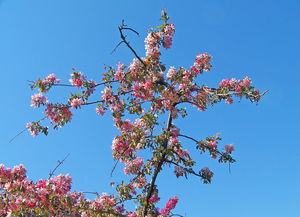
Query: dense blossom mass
x,y
145,98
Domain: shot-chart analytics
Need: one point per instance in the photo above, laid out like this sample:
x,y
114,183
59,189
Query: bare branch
x,y
59,163
113,169
123,37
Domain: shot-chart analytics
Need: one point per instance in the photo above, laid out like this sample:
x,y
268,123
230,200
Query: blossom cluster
x,y
45,84
52,197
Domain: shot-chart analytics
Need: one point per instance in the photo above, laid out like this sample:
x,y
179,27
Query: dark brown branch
x,y
189,170
94,102
159,166
176,215
123,37
90,192
59,163
113,169
116,47
12,139
197,142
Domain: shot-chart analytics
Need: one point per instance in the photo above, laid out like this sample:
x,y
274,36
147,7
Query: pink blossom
x,y
238,89
76,102
169,206
32,129
167,42
140,182
179,171
229,101
206,175
173,140
119,75
245,82
229,148
203,62
154,199
38,99
100,111
133,166
171,73
212,144
77,79
148,84
107,94
169,29
77,82
224,83
172,203
52,79
134,67
131,214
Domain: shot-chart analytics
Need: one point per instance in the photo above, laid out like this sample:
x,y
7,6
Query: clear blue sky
x,y
255,38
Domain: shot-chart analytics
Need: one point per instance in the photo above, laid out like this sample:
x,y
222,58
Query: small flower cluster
x,y
171,204
35,128
133,166
38,99
202,62
161,37
77,79
76,102
45,84
59,114
206,175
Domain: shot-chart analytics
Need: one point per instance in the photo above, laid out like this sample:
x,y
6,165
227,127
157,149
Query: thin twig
x,y
90,192
59,163
113,169
12,139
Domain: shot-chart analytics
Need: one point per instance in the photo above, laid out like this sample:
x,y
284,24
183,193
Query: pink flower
x,y
107,94
169,29
76,102
169,206
171,73
131,214
133,166
224,83
51,79
172,203
245,82
229,148
229,101
154,199
179,171
77,79
100,111
212,144
206,175
202,62
32,129
167,42
38,99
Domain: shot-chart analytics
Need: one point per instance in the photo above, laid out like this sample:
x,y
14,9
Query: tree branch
x,y
158,168
123,37
59,163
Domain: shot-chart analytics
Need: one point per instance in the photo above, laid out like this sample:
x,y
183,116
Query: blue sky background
x,y
255,38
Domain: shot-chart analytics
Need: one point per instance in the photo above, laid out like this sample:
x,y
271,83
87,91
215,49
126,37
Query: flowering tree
x,y
153,97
